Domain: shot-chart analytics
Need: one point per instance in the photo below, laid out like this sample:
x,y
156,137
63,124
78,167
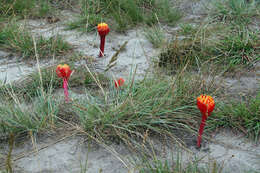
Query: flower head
x,y
119,82
103,29
205,104
63,71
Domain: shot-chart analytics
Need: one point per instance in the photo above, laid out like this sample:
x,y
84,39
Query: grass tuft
x,y
157,105
177,165
17,118
124,13
25,8
18,39
242,116
156,36
29,87
235,11
227,47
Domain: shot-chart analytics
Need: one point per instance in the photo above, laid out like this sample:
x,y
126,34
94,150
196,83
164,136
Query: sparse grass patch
x,y
159,166
235,11
187,29
157,105
25,8
17,38
179,52
243,116
89,16
124,13
239,47
156,36
18,7
48,82
223,45
17,118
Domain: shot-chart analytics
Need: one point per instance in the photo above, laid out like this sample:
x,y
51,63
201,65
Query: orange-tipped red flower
x,y
119,82
103,30
64,72
206,105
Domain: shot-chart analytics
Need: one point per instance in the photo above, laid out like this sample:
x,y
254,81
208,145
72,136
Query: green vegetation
x,y
18,119
132,108
235,11
156,36
17,38
24,8
125,13
153,104
187,29
230,46
47,81
158,166
243,116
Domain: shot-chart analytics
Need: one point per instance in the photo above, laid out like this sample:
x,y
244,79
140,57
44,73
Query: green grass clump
x,y
9,7
48,81
187,29
158,105
24,8
37,90
179,52
89,16
243,116
225,46
17,38
124,13
239,47
235,11
17,118
156,36
159,166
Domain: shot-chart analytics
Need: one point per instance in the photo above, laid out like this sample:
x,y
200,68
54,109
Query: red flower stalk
x,y
119,82
103,30
64,72
206,105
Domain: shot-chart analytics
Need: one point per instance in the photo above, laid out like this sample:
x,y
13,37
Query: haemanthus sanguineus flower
x,y
64,72
103,30
206,105
119,82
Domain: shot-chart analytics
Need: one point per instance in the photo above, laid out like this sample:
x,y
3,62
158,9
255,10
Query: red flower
x,y
103,30
63,71
206,105
119,82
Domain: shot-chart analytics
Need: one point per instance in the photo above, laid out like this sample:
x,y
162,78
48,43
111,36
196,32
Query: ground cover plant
x,y
20,40
157,166
156,36
116,107
124,13
47,81
24,8
126,113
228,37
235,11
219,44
242,116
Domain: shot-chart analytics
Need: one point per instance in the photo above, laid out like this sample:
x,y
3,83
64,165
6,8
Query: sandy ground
x,y
71,153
